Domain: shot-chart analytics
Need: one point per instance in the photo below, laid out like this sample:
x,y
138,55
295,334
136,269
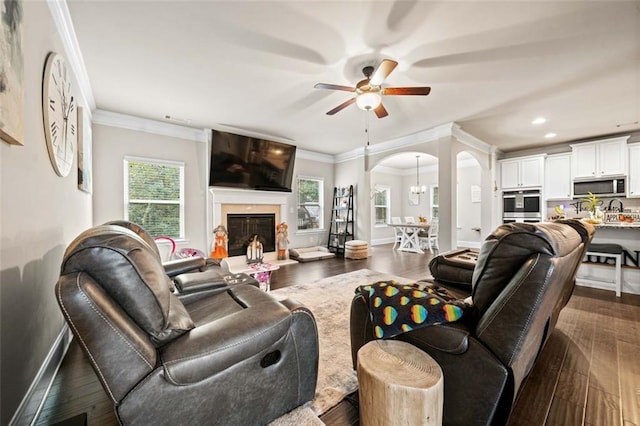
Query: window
x,y
310,203
381,204
154,196
435,201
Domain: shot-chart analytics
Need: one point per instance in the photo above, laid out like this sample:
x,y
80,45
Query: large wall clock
x,y
59,114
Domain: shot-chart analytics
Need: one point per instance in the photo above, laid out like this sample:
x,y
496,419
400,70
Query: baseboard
x,y
380,241
33,400
469,244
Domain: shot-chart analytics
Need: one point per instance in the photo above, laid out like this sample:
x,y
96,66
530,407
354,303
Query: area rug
x,y
330,301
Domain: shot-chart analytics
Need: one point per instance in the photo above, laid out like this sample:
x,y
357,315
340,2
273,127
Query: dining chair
x,y
398,232
409,219
431,240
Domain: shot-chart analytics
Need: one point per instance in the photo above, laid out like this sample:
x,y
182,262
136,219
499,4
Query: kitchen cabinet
x,y
604,158
557,177
522,172
634,171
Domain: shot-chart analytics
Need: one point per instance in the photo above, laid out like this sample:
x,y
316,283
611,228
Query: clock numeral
x,y
52,104
53,77
73,129
54,127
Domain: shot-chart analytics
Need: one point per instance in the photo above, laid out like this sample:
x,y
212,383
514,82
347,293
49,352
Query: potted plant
x,y
592,203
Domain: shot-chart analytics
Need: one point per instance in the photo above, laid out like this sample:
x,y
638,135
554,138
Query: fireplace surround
x,y
242,226
225,202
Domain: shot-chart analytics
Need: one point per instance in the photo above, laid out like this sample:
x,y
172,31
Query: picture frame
x,y
85,151
11,73
414,199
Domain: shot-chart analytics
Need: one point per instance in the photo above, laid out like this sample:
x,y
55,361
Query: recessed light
x,y
539,120
550,135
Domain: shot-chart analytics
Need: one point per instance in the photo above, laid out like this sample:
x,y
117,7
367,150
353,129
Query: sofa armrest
x,y
213,347
181,266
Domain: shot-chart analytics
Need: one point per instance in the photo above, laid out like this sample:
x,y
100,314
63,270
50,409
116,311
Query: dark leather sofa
x,y
524,276
235,356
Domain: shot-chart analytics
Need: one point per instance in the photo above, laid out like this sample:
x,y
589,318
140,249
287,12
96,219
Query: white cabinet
x,y
602,158
557,177
634,170
523,172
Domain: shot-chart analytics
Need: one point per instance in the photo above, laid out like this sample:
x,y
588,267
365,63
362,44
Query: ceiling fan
x,y
369,91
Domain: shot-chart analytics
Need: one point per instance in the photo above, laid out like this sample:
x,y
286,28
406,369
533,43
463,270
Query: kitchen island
x,y
628,236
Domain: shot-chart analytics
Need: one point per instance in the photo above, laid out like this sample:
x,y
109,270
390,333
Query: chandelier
x,y
417,189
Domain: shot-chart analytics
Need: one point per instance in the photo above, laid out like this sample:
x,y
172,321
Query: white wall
x,y
41,213
112,144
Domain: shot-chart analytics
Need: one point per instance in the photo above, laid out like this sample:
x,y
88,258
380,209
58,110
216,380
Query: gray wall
x,y
112,144
41,213
469,213
310,168
385,234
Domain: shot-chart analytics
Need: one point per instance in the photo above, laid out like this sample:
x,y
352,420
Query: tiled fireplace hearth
x,y
225,202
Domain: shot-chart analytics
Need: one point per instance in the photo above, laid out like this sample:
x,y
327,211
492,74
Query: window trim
x,y
431,203
321,202
179,164
386,188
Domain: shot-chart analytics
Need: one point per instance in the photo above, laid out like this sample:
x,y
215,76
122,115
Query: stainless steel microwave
x,y
614,187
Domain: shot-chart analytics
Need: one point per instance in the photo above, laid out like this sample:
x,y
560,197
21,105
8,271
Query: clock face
x,y
60,114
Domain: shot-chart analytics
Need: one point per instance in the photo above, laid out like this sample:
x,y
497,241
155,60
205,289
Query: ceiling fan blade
x,y
383,71
334,87
406,90
342,106
381,111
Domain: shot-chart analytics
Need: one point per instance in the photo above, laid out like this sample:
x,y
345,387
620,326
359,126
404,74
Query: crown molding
x,y
470,140
64,25
124,121
315,156
423,136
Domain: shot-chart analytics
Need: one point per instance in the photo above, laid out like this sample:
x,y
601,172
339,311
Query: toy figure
x,y
219,250
282,240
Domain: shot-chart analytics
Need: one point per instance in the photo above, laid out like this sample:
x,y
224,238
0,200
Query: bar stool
x,y
613,251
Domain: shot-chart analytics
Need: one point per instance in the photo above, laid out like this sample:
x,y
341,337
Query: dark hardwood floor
x,y
588,374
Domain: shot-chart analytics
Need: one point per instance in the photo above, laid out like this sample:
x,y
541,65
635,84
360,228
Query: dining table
x,y
409,235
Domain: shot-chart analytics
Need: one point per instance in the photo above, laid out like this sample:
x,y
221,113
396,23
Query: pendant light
x,y
417,189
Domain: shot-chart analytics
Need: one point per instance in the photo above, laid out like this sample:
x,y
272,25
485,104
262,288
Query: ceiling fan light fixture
x,y
368,101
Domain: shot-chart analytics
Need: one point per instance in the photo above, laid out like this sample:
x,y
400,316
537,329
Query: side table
x,y
262,273
399,384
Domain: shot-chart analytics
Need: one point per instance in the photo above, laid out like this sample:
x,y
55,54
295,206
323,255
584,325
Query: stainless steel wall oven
x,y
522,206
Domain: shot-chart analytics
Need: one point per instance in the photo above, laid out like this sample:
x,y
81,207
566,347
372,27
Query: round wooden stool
x,y
398,384
356,249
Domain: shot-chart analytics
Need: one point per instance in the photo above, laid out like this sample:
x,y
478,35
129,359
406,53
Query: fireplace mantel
x,y
243,201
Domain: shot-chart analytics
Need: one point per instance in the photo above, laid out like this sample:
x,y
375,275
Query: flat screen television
x,y
251,163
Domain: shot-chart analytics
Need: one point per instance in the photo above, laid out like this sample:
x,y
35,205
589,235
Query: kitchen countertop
x,y
634,225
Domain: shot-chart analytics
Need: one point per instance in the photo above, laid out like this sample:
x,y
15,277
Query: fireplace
x,y
241,227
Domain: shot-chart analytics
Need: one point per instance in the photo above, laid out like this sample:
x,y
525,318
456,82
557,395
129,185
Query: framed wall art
x,y
85,149
11,73
414,199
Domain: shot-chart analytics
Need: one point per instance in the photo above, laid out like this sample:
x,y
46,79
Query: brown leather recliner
x,y
234,357
524,276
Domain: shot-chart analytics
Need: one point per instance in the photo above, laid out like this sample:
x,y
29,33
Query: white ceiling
x,y
251,66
